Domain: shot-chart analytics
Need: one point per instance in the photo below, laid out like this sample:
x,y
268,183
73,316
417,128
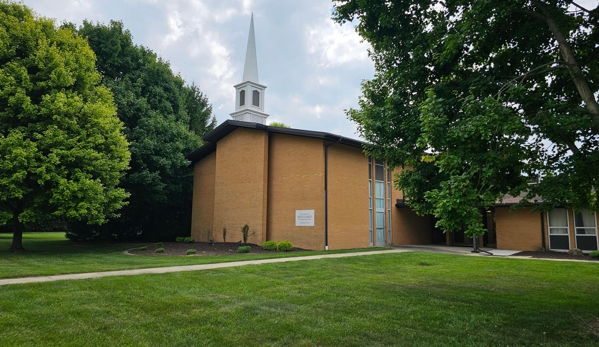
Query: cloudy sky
x,y
311,66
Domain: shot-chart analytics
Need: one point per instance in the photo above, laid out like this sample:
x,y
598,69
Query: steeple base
x,y
250,116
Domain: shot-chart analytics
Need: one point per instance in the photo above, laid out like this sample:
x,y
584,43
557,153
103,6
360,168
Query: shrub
x,y
595,255
224,234
269,246
244,249
160,250
159,244
142,248
245,231
190,251
188,240
179,239
284,246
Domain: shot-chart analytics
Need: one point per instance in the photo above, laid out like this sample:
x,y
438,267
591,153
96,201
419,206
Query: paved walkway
x,y
162,270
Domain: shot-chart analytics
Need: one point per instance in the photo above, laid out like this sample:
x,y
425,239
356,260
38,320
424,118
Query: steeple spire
x,y
250,70
249,99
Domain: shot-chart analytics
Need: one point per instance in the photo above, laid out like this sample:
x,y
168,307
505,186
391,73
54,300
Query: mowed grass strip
x,y
404,299
52,254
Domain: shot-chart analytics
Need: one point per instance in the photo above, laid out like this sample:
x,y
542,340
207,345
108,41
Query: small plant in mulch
x,y
142,248
284,246
179,239
245,233
224,234
594,255
244,249
191,251
269,245
160,250
159,244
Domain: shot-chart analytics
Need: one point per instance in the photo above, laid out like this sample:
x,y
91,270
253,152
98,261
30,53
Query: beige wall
x,y
202,216
519,229
296,182
240,185
409,228
347,198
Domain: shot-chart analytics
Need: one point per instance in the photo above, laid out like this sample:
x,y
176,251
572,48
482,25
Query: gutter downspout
x,y
543,233
326,193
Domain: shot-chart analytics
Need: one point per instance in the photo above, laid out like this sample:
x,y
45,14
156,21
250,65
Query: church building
x,y
320,191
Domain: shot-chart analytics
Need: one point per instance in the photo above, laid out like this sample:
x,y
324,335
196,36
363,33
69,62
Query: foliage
x,y
244,249
245,231
142,248
279,125
269,245
159,244
62,150
284,246
188,240
594,254
224,234
164,119
179,239
160,250
477,97
190,251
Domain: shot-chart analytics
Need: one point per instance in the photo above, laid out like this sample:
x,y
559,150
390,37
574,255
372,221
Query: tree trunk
x,y
17,238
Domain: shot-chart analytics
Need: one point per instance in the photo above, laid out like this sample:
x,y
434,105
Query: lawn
x,y
404,299
53,254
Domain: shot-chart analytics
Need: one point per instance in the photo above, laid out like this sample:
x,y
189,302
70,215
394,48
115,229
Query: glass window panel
x,y
558,231
379,172
586,231
380,220
256,98
558,218
389,176
378,162
242,98
584,219
380,189
369,169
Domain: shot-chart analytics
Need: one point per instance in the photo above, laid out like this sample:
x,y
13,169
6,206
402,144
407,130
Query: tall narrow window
x,y
242,98
379,195
586,230
559,236
256,98
389,231
370,199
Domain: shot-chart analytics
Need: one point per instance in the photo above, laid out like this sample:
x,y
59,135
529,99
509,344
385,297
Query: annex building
x,y
320,191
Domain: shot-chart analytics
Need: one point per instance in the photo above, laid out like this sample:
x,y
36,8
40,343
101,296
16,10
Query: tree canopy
x,y
164,119
480,97
62,150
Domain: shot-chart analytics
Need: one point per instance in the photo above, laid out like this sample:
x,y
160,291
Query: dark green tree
x,y
164,120
478,97
62,150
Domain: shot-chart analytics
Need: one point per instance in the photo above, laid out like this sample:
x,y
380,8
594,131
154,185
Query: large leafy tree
x,y
478,98
62,151
164,119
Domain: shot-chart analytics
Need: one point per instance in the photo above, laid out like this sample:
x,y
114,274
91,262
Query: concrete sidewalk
x,y
162,270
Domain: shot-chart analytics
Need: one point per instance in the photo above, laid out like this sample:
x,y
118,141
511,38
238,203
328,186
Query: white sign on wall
x,y
304,218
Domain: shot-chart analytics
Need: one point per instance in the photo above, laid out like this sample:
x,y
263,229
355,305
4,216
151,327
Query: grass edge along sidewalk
x,y
198,267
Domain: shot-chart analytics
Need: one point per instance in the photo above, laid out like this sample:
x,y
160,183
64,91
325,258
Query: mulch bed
x,y
554,255
202,249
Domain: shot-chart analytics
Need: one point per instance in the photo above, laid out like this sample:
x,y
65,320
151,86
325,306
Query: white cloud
x,y
334,45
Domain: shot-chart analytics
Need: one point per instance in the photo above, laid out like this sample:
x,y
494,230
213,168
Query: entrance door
x,y
586,230
559,235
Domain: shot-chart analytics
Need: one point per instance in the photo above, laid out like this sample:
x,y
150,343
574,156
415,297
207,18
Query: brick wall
x,y
518,229
202,217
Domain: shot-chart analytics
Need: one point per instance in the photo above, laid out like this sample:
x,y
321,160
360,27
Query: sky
x,y
312,67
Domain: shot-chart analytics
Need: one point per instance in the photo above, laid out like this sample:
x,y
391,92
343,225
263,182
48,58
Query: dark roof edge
x,y
230,125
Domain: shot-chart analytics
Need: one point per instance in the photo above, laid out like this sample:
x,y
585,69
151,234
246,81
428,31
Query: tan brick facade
x,y
348,198
519,229
202,216
296,182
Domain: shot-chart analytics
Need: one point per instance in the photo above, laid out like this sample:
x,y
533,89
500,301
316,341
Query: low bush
x,y
179,239
160,250
244,249
159,244
190,251
142,248
284,246
269,246
595,255
188,240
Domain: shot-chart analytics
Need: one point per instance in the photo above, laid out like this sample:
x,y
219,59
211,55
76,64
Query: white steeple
x,y
249,100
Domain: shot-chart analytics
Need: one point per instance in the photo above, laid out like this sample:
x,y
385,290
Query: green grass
x,y
404,299
52,254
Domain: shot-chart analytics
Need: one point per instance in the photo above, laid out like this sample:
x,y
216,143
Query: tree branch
x,y
577,76
580,7
531,73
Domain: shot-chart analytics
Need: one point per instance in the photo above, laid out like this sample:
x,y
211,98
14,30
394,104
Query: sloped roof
x,y
230,125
